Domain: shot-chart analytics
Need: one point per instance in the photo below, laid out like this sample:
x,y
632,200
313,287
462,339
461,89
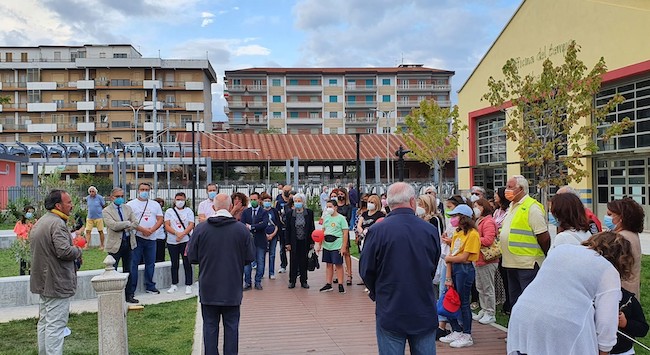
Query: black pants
x,y
160,250
124,253
504,277
175,251
298,261
283,249
518,280
211,318
23,267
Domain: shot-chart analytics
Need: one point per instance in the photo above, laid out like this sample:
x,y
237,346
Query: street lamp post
x,y
136,111
120,145
194,172
386,115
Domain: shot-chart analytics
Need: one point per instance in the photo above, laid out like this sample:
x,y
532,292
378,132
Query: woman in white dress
x,y
572,305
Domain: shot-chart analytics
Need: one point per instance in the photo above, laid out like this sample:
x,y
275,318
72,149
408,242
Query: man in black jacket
x,y
222,247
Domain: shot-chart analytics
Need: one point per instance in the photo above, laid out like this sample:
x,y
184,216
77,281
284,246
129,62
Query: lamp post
x,y
268,171
194,174
136,111
120,145
386,114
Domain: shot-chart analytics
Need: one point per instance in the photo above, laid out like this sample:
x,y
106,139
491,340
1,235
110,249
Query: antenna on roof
x,y
159,53
402,57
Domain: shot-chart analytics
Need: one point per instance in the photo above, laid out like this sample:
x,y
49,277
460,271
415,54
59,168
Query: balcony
x,y
194,106
236,88
250,121
360,88
304,88
304,104
441,87
85,105
14,107
180,85
41,85
236,104
423,87
12,85
444,103
149,126
68,126
304,120
86,127
408,103
256,88
66,85
42,127
256,104
361,104
42,107
11,126
194,85
361,120
149,84
85,84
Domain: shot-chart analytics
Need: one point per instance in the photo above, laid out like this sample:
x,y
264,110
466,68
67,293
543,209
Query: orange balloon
x,y
379,219
318,235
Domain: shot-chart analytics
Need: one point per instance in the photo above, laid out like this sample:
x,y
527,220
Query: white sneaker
x,y
487,319
282,270
451,337
172,289
188,290
463,341
478,315
272,277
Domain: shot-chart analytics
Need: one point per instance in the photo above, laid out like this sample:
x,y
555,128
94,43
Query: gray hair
x,y
301,196
222,202
92,188
116,189
399,193
521,182
566,189
479,189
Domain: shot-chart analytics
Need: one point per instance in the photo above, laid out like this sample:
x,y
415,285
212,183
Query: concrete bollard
x,y
111,314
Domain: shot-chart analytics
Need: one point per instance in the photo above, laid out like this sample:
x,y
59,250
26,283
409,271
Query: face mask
x,y
477,212
420,211
212,195
341,198
29,215
509,194
298,205
329,211
144,195
609,222
474,198
447,212
371,206
383,202
118,201
266,204
454,221
254,203
552,220
180,204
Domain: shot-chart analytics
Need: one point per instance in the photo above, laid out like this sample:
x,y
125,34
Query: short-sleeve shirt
x,y
206,207
95,206
470,243
187,216
537,222
334,225
146,217
369,220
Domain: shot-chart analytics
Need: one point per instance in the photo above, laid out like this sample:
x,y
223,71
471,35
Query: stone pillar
x,y
111,314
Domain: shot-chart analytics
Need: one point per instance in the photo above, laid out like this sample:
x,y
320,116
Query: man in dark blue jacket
x,y
256,219
397,265
221,246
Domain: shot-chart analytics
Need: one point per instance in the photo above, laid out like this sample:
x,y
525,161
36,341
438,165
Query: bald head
x,y
401,194
222,202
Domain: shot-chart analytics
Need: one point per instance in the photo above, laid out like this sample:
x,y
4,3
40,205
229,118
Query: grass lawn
x,y
166,328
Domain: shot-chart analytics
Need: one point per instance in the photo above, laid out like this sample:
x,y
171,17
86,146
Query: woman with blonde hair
x,y
428,211
369,217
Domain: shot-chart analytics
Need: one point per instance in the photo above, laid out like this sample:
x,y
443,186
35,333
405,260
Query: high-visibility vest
x,y
522,240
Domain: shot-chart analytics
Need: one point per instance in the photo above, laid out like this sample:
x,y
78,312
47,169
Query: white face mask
x,y
180,204
474,198
420,211
477,212
329,211
371,206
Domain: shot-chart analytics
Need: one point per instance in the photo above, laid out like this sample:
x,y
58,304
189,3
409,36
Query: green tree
x,y
432,135
549,119
5,100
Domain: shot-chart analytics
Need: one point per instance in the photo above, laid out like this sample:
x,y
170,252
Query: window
x,y
334,115
385,98
370,98
75,139
58,119
9,57
33,96
23,57
237,116
58,139
293,82
333,82
385,81
314,115
334,98
33,75
57,56
277,98
293,114
119,55
370,130
120,103
120,82
236,81
121,124
404,83
333,130
277,114
352,99
185,119
314,99
314,82
59,103
491,144
422,84
617,178
276,82
370,83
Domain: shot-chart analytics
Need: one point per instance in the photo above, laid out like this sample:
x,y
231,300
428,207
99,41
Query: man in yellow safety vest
x,y
524,237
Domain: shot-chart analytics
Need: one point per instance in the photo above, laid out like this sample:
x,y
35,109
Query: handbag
x,y
493,251
312,261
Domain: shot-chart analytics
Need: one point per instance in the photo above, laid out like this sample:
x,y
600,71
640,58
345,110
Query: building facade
x,y
329,100
92,93
542,29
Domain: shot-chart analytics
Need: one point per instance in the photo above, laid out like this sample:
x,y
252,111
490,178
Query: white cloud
x,y
207,17
220,51
253,49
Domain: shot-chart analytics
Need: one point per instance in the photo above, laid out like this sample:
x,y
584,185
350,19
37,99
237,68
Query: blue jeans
x,y
390,343
260,258
442,287
463,276
146,248
212,316
272,246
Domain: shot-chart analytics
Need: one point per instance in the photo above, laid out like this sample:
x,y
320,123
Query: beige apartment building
x,y
329,100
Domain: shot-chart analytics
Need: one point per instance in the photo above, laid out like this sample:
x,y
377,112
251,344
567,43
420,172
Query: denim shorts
x,y
332,257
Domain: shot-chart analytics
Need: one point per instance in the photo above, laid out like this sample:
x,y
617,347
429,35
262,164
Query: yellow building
x,y
614,29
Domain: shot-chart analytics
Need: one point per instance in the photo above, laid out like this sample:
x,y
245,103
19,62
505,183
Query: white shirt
x,y
149,215
187,216
206,207
571,307
570,237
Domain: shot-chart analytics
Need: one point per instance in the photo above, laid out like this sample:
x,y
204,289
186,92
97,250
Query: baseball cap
x,y
464,210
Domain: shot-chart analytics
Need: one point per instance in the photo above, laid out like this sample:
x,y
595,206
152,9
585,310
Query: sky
x,y
234,34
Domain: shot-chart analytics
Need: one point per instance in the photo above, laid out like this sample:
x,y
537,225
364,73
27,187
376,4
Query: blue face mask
x,y
266,204
119,201
298,205
144,195
552,220
29,215
212,195
609,222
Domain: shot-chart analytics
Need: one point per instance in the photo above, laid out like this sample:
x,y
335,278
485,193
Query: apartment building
x,y
91,93
329,100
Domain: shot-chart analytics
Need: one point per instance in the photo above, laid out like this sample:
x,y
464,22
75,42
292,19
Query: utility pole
x,y
400,162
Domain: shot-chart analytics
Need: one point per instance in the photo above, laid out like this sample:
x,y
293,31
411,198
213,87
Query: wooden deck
x,y
278,320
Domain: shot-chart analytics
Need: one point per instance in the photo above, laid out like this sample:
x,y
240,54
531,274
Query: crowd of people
x,y
493,248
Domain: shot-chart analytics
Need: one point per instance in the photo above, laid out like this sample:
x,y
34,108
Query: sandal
x,y
349,282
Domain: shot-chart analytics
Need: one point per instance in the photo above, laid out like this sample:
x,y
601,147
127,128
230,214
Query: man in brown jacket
x,y
121,224
53,273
